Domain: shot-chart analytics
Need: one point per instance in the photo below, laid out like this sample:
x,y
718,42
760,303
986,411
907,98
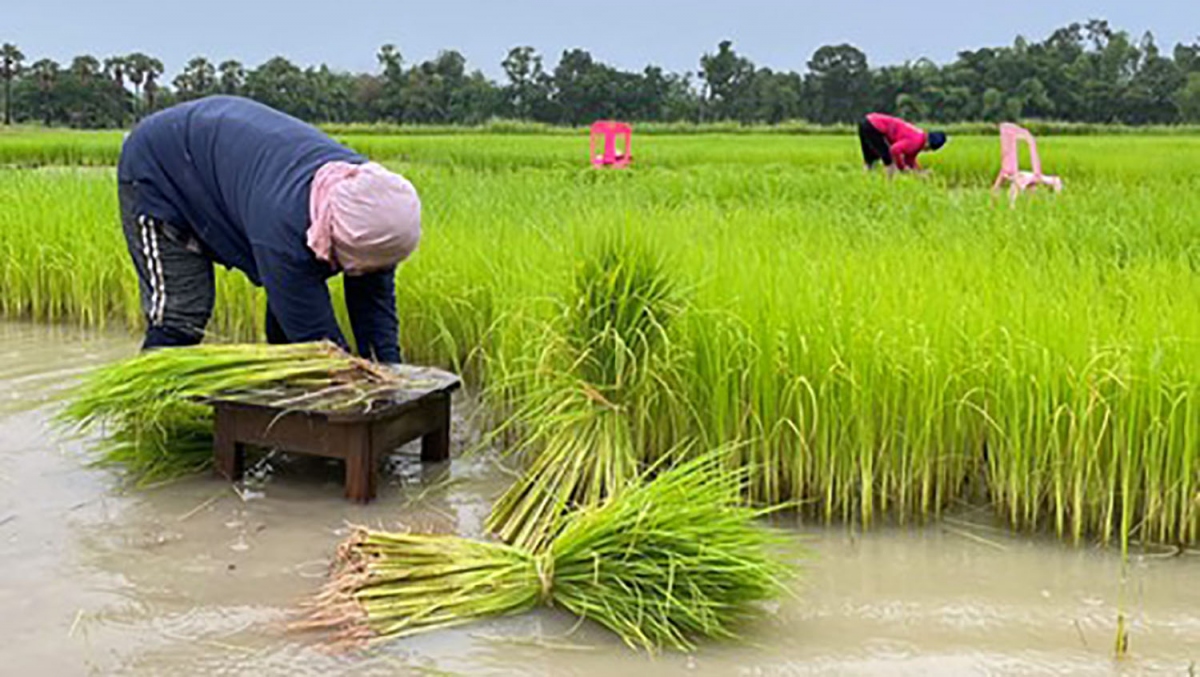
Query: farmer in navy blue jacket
x,y
231,181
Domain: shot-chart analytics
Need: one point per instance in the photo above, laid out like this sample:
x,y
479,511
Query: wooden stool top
x,y
356,421
349,403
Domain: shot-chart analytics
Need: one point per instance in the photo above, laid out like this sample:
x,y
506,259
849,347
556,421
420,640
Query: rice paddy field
x,y
871,350
911,369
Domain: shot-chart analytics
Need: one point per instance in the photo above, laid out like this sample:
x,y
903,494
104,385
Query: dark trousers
x,y
175,279
875,146
175,276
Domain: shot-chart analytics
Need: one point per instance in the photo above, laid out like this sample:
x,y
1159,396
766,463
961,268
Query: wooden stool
x,y
418,407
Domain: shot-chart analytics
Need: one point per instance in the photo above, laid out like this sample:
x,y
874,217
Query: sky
x,y
625,33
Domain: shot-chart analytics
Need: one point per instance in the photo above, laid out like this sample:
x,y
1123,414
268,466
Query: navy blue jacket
x,y
237,175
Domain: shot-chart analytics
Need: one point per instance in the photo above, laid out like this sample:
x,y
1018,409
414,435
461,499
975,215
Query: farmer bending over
x,y
894,142
227,180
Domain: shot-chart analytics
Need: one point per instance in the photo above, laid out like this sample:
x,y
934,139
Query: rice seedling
x,y
663,563
591,395
154,428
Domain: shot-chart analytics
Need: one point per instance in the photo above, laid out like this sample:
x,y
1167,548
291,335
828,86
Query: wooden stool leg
x,y
435,446
228,455
360,464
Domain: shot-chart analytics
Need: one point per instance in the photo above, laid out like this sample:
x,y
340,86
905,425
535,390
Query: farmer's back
x,y
235,172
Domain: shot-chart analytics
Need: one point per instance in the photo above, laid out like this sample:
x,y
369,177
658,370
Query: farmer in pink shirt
x,y
894,142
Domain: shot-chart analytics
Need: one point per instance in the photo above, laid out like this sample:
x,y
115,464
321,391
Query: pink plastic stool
x,y
610,130
1010,167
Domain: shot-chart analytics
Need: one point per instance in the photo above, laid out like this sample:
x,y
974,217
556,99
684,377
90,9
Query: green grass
x,y
877,350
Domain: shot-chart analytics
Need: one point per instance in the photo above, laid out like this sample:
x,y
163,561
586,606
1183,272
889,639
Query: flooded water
x,y
197,578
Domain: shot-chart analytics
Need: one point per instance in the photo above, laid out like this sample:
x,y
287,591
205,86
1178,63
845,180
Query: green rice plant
x,y
874,350
40,147
37,147
589,400
663,563
146,408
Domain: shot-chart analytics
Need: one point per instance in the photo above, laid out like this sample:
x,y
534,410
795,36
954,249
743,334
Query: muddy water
x,y
195,578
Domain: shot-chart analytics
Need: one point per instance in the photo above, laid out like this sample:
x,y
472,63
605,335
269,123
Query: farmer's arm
x,y
904,152
298,297
371,302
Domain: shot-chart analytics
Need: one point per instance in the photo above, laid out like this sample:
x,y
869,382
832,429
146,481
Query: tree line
x,y
1083,72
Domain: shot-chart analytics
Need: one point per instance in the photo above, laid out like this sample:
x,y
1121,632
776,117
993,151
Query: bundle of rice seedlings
x,y
586,454
623,300
663,563
605,368
147,407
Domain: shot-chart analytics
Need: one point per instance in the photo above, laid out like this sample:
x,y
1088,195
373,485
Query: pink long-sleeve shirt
x,y
906,140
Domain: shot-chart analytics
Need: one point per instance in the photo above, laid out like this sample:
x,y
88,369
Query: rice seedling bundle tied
x,y
590,398
661,564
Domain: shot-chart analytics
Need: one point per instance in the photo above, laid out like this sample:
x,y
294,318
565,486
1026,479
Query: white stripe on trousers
x,y
154,269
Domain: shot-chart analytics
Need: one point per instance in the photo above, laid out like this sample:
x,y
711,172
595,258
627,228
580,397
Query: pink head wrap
x,y
363,217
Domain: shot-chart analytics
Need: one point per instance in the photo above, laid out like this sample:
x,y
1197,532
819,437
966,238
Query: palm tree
x,y
154,69
45,71
80,103
391,61
233,76
10,67
198,78
85,67
137,65
114,69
